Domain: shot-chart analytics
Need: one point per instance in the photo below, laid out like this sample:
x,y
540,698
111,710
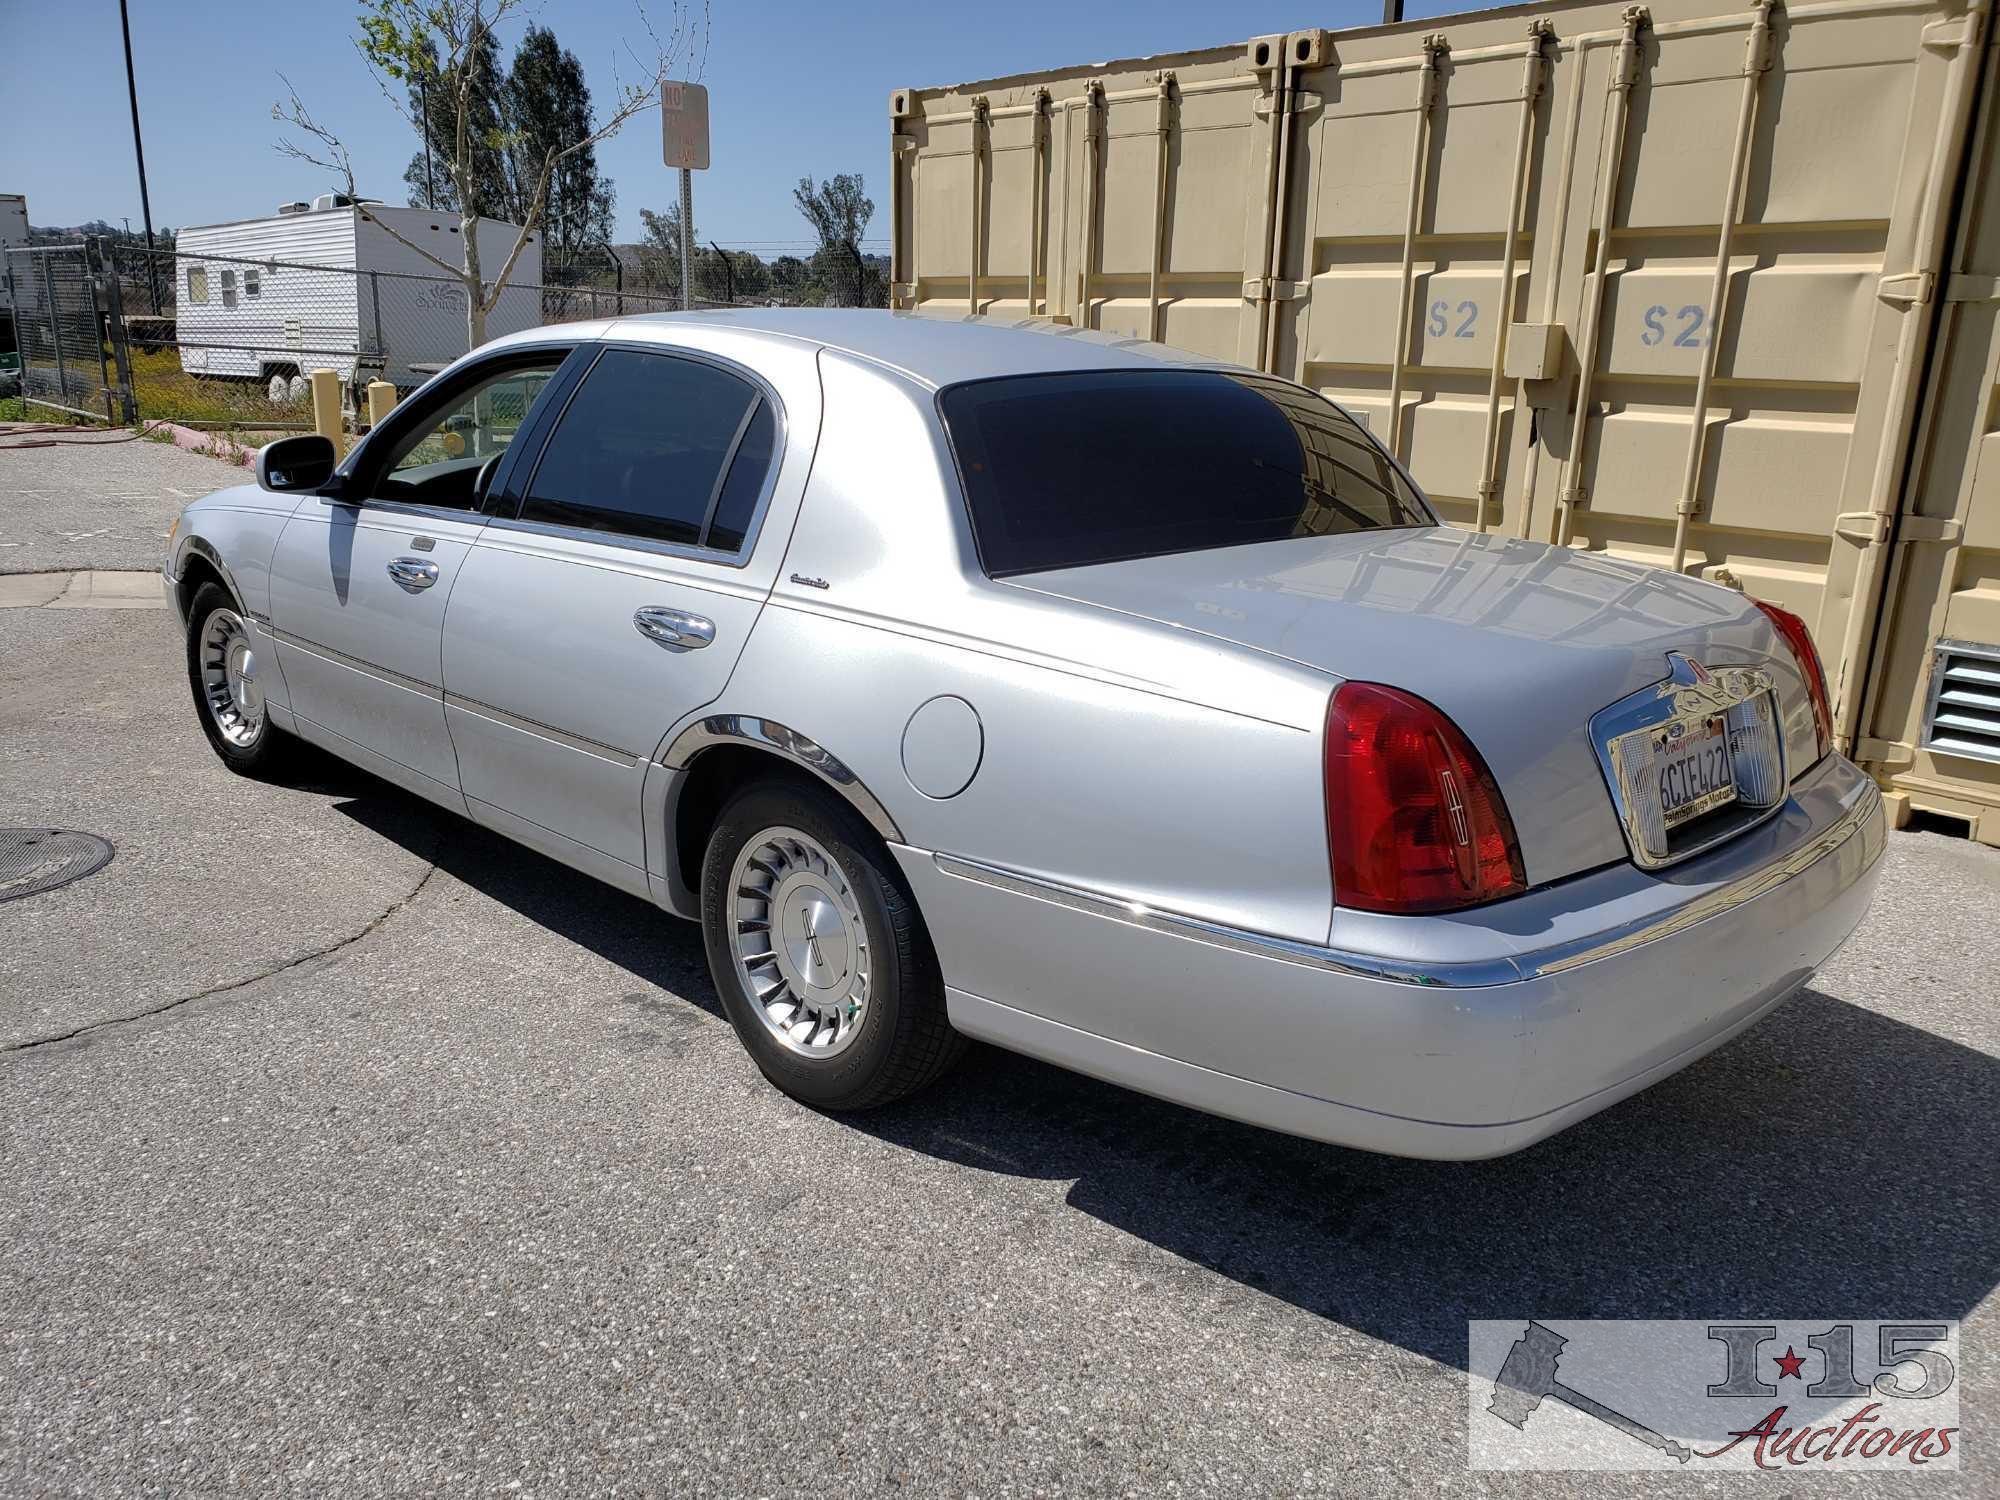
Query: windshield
x,y
1062,471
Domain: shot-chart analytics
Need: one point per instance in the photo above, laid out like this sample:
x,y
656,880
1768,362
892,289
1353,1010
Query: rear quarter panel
x,y
1119,755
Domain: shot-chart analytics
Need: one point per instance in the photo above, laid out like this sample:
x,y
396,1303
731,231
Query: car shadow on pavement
x,y
619,928
1832,1161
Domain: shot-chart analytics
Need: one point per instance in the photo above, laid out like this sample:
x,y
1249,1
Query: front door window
x,y
439,461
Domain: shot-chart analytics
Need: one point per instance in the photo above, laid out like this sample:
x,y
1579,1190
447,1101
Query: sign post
x,y
684,144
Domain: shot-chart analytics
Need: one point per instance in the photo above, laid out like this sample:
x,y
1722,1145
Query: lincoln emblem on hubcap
x,y
801,946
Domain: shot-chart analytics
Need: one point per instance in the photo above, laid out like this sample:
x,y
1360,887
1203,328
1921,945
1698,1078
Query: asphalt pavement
x,y
347,1148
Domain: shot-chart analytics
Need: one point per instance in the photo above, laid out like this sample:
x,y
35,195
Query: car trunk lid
x,y
1517,642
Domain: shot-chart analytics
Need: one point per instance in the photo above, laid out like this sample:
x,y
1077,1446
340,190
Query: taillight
x,y
1414,820
1799,639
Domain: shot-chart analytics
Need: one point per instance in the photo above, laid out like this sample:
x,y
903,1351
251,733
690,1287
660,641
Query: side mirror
x,y
295,463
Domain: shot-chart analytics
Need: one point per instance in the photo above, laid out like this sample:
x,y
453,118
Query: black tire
x,y
272,749
904,1041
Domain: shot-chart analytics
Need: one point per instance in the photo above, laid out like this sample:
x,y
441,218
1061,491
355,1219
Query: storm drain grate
x,y
33,860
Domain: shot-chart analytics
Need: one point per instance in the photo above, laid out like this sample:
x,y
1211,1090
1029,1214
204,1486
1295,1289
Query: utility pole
x,y
139,150
1392,12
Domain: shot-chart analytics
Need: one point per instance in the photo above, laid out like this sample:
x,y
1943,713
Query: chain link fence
x,y
129,334
69,326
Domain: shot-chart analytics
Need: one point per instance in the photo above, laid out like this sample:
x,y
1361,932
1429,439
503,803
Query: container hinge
x,y
1912,288
903,143
1866,527
1949,36
1970,288
1885,752
1260,289
905,291
1934,530
1305,101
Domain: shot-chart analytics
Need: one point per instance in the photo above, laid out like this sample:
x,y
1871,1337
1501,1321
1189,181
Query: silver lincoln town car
x,y
1014,682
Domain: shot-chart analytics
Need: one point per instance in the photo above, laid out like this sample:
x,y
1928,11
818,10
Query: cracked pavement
x,y
351,1149
95,501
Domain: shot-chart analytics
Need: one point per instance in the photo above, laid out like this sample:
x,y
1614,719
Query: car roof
x,y
933,349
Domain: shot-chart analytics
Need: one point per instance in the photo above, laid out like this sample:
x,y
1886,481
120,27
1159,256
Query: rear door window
x,y
657,447
1066,470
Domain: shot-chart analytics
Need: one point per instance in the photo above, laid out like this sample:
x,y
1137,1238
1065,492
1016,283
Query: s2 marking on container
x,y
1691,321
1444,316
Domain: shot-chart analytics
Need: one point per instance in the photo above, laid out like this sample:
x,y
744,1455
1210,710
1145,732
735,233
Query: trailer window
x,y
228,288
252,282
1066,470
197,283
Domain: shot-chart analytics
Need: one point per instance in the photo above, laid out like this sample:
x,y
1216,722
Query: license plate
x,y
1692,766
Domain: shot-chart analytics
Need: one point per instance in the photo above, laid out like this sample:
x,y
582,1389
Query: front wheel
x,y
820,956
226,671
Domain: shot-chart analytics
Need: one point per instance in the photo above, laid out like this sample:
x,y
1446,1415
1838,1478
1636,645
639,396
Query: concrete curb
x,y
205,443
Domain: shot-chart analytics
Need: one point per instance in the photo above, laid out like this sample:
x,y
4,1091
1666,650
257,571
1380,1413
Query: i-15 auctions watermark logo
x,y
1830,1395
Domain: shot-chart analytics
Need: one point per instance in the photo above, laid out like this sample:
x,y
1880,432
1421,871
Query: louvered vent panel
x,y
1964,713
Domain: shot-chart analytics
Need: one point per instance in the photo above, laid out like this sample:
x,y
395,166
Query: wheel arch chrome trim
x,y
201,547
781,740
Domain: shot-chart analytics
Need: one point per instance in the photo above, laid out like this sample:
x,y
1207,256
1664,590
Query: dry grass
x,y
164,391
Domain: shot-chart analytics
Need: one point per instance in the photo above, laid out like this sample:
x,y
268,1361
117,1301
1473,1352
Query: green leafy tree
x,y
789,278
437,99
404,41
838,210
660,247
749,275
547,106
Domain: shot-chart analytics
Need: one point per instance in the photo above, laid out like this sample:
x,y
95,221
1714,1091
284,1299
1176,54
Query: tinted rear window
x,y
1066,470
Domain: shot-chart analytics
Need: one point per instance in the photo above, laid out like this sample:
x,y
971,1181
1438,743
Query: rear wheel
x,y
225,672
822,961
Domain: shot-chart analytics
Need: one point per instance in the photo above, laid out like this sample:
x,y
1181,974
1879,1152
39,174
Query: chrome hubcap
x,y
801,947
229,687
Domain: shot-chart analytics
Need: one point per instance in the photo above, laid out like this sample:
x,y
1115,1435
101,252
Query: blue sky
x,y
795,88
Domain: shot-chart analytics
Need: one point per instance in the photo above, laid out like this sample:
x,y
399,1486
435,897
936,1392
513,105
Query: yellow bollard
x,y
381,401
326,411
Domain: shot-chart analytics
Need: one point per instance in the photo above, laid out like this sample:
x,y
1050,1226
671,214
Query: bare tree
x,y
436,41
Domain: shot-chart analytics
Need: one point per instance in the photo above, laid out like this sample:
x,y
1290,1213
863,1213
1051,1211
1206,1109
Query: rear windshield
x,y
1066,470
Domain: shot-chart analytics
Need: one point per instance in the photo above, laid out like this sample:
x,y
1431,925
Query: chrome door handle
x,y
674,627
413,573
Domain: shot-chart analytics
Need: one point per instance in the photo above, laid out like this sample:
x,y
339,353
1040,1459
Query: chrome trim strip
x,y
342,659
377,511
584,743
769,734
201,547
1748,887
500,526
1216,935
1474,974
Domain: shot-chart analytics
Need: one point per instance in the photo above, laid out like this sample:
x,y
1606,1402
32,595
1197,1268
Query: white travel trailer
x,y
318,286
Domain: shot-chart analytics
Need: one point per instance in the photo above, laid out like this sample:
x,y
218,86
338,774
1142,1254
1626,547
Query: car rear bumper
x,y
1463,1036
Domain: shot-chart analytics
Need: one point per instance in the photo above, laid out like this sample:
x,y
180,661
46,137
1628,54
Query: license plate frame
x,y
1629,734
1694,770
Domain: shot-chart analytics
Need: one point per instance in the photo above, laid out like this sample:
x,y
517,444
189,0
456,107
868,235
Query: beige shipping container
x,y
1527,246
